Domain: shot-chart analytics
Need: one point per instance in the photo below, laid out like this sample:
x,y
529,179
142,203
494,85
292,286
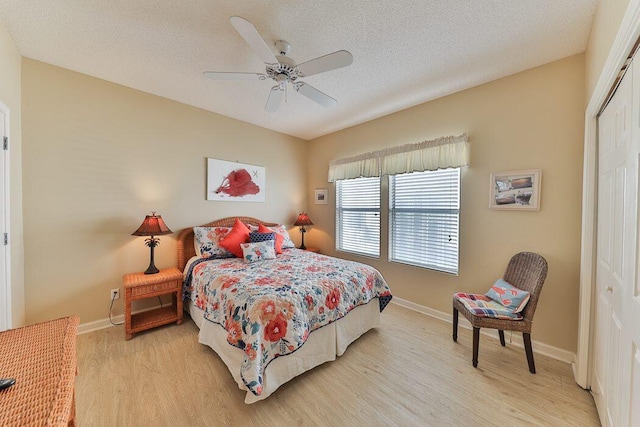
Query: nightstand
x,y
139,286
314,250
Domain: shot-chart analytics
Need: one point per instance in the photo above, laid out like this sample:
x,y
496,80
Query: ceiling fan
x,y
282,69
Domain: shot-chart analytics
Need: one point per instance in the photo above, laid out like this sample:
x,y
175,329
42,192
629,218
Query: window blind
x,y
424,214
358,216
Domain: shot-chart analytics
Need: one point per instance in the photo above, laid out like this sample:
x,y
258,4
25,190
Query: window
x,y
358,216
424,213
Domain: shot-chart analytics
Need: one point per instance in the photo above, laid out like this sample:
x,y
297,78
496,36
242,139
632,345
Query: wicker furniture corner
x,y
42,359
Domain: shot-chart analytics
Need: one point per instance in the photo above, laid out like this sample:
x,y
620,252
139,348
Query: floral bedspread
x,y
269,308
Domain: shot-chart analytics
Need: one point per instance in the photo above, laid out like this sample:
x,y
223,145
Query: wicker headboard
x,y
186,249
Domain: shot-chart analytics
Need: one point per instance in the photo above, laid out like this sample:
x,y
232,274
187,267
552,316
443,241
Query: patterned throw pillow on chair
x,y
509,296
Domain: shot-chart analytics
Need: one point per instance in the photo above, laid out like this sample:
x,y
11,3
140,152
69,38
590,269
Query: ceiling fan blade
x,y
315,95
214,75
253,39
329,62
275,97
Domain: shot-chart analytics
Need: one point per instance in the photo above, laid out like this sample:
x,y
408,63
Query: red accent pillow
x,y
239,234
279,237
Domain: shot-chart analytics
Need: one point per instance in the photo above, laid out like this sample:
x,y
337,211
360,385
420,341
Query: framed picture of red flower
x,y
235,182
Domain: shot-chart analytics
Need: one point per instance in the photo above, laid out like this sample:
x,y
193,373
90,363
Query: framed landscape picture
x,y
321,196
515,190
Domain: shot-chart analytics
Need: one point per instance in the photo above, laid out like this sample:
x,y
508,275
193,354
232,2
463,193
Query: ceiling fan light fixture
x,y
283,47
282,69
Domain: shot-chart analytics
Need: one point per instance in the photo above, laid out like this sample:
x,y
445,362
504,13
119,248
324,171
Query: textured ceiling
x,y
405,51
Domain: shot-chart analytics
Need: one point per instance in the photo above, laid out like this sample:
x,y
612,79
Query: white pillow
x,y
258,251
287,243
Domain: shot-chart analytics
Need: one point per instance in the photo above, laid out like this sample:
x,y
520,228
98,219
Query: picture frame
x,y
515,190
235,182
322,194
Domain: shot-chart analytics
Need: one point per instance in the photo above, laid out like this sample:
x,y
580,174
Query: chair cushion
x,y
509,296
483,306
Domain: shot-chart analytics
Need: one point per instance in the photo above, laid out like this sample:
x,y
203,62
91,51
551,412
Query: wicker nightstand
x,y
139,286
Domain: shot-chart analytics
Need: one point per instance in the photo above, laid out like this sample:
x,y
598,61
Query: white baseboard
x,y
538,347
96,325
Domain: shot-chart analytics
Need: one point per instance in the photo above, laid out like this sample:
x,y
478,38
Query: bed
x,y
270,321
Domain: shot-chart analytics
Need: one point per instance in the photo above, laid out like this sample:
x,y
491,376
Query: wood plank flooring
x,y
408,372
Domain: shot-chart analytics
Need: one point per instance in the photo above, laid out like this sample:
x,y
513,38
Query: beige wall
x,y
604,28
533,119
10,95
99,156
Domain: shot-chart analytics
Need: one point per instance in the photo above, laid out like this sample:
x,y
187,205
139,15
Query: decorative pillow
x,y
287,242
509,296
206,241
258,251
279,239
239,234
256,236
281,230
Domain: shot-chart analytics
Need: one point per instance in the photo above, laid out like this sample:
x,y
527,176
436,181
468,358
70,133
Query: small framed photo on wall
x,y
515,190
322,195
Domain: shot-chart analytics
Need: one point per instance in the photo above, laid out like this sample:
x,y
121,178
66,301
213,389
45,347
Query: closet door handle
x,y
609,289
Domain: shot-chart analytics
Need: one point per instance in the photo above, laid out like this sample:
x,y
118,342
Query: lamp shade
x,y
303,219
153,225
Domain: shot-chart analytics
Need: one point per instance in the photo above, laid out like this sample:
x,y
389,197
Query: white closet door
x,y
631,297
616,254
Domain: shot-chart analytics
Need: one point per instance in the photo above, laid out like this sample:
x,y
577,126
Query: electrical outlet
x,y
114,294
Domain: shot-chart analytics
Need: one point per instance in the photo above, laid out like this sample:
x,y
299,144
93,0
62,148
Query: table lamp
x,y
303,219
153,225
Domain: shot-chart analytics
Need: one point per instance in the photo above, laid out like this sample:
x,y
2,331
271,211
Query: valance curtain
x,y
364,165
441,153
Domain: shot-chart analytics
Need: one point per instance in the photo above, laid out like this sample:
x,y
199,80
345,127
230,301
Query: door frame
x,y
6,322
628,33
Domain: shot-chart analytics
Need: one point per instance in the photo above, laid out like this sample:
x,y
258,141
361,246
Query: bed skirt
x,y
323,345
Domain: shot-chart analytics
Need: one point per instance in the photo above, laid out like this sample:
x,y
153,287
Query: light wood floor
x,y
408,372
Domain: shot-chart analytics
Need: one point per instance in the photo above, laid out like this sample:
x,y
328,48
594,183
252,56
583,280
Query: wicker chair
x,y
526,271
